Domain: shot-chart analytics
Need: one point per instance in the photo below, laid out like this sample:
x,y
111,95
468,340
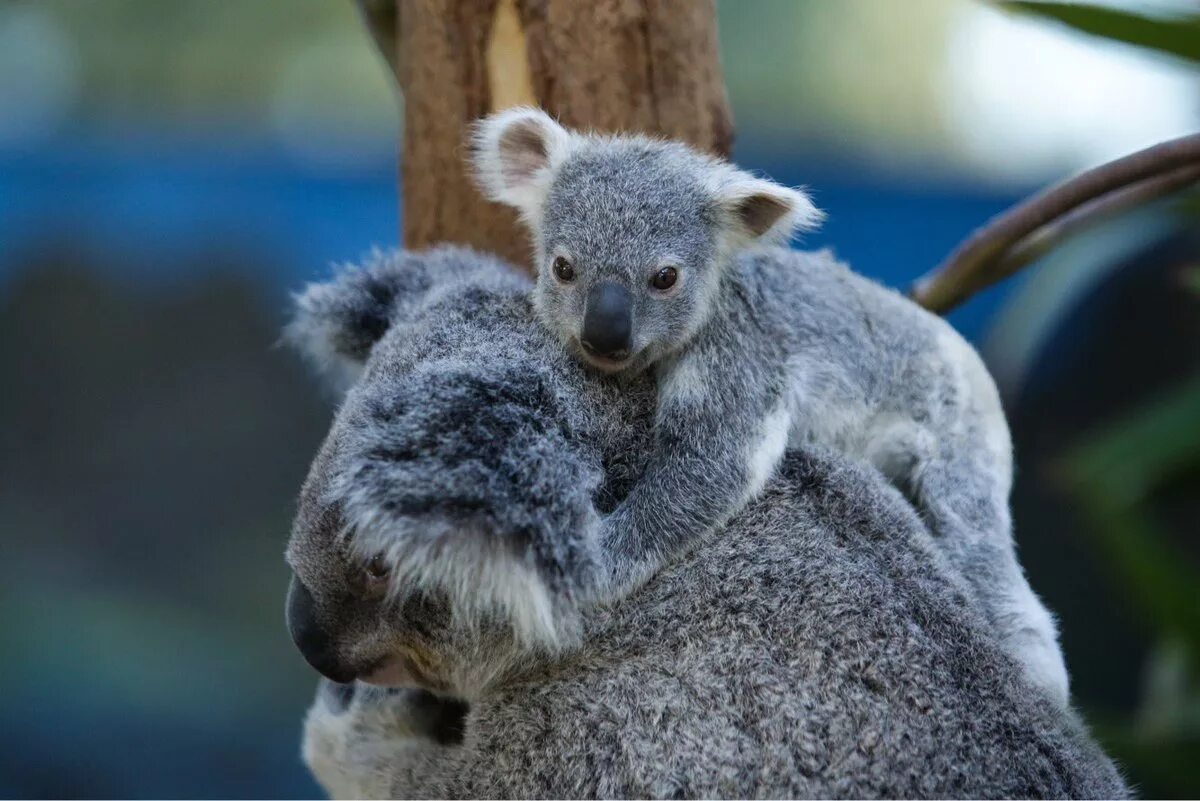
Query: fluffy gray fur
x,y
820,645
757,349
472,453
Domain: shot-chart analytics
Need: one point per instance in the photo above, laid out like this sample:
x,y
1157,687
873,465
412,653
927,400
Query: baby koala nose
x,y
608,321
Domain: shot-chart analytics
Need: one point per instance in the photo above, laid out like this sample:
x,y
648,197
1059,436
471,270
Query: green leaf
x,y
1163,768
1191,279
1186,204
1111,478
1124,462
1177,36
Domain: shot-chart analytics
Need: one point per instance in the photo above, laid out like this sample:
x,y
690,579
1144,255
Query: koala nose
x,y
315,645
608,320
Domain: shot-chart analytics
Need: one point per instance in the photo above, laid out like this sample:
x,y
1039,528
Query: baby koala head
x,y
631,235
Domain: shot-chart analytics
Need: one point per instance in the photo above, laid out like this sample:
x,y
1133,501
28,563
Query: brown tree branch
x,y
1017,236
1050,236
648,66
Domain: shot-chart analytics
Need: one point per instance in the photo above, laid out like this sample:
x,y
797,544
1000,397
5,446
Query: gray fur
x,y
472,452
820,645
760,348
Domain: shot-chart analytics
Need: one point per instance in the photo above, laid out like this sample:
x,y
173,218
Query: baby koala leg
x,y
371,742
962,494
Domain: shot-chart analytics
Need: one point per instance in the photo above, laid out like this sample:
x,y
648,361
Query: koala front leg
x,y
370,742
712,451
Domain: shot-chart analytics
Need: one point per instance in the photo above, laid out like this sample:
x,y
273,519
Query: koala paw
x,y
1039,654
354,733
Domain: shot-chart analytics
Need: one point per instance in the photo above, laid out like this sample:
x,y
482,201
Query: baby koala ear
x,y
515,153
762,211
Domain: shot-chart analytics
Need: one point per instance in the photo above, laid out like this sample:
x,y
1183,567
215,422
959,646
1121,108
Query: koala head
x,y
631,235
446,530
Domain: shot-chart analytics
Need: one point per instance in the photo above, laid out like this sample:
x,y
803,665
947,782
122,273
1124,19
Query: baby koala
x,y
651,256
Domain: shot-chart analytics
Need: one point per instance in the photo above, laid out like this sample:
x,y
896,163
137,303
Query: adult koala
x,y
820,645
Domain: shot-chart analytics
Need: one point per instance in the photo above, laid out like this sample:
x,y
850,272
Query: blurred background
x,y
170,171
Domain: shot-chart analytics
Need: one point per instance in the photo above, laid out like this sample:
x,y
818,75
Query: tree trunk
x,y
608,65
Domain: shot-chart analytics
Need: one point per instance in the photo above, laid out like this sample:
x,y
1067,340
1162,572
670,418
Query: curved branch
x,y
1015,237
1050,236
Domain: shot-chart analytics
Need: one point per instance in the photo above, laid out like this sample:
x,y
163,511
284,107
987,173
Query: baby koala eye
x,y
563,269
665,278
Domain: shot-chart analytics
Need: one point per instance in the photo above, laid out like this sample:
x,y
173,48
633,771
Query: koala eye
x,y
377,568
563,269
665,278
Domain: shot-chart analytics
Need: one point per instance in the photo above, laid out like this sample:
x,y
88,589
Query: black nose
x,y
315,645
608,320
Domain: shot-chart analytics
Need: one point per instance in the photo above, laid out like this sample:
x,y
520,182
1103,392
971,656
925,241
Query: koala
x,y
444,557
462,415
654,258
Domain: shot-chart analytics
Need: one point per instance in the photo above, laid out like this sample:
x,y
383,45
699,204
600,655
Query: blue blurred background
x,y
169,171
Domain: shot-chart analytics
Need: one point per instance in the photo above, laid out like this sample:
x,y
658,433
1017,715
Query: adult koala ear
x,y
514,153
759,211
337,323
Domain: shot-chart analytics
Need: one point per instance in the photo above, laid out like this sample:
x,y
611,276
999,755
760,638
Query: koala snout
x,y
316,645
608,321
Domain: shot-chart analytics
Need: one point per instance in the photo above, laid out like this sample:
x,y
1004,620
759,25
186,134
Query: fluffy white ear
x,y
762,211
515,153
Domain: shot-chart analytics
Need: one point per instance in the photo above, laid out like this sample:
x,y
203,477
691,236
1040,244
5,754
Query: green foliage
x,y
1177,36
1119,479
1191,279
247,65
1115,478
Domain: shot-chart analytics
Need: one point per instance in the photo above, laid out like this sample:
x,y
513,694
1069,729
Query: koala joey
x,y
654,258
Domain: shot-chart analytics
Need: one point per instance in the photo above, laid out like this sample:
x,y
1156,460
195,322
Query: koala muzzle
x,y
608,321
315,644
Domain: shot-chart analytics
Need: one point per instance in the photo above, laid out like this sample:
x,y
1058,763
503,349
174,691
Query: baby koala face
x,y
632,236
627,252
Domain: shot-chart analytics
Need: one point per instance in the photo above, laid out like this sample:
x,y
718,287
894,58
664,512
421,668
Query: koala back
x,y
814,649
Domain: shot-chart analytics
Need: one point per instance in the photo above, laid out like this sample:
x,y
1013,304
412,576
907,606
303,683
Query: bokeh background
x,y
169,171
